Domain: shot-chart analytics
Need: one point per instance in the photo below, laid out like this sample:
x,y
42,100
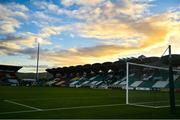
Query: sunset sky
x,y
85,31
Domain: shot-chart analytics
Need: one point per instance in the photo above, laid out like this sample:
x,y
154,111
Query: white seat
x,y
160,84
136,83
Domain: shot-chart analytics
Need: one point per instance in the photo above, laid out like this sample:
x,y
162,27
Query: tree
x,y
106,66
71,72
96,67
87,68
150,60
79,70
175,60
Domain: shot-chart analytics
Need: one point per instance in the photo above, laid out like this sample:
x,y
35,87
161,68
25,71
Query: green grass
x,y
48,98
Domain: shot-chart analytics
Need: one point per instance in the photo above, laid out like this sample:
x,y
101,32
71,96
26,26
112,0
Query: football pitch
x,y
67,103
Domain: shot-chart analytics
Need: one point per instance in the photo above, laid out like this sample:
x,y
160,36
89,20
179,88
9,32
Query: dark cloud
x,y
11,37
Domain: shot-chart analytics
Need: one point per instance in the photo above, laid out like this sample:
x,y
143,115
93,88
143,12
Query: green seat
x,y
132,78
147,84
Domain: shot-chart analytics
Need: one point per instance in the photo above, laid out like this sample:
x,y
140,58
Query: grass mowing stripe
x,y
16,103
33,99
63,108
150,102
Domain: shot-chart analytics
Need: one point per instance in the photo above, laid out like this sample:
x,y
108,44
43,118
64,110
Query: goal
x,y
148,85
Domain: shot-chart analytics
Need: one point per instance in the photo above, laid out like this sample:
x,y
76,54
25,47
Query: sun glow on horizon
x,y
74,32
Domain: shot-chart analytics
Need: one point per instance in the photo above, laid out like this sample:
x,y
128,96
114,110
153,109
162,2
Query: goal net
x,y
148,85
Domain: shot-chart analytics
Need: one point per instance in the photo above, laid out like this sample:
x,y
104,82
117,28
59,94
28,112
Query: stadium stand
x,y
136,84
113,75
73,84
147,84
8,75
160,84
50,83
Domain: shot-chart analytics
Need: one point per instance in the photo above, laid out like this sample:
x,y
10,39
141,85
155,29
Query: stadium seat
x,y
160,84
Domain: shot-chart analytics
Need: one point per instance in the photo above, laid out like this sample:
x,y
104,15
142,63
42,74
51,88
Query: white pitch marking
x,y
63,108
16,103
159,106
149,102
142,106
164,106
23,111
79,107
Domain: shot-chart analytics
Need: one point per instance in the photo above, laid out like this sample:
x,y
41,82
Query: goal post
x,y
127,81
148,85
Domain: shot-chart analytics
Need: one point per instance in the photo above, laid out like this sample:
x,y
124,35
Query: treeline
x,y
116,66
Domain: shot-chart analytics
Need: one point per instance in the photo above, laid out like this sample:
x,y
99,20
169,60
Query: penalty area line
x,y
20,104
147,106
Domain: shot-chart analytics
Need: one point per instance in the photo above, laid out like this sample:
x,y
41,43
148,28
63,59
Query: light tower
x,y
38,41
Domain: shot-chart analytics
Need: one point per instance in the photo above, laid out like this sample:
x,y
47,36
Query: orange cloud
x,y
153,34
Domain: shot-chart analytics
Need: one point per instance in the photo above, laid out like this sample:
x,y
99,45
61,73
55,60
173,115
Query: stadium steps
x,y
115,83
160,84
60,83
159,77
103,86
136,83
119,83
73,84
147,78
99,78
94,78
50,83
85,83
75,78
147,84
176,81
133,78
96,84
93,84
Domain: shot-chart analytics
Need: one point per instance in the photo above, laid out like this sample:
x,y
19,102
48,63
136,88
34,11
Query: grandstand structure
x,y
8,75
113,74
148,91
